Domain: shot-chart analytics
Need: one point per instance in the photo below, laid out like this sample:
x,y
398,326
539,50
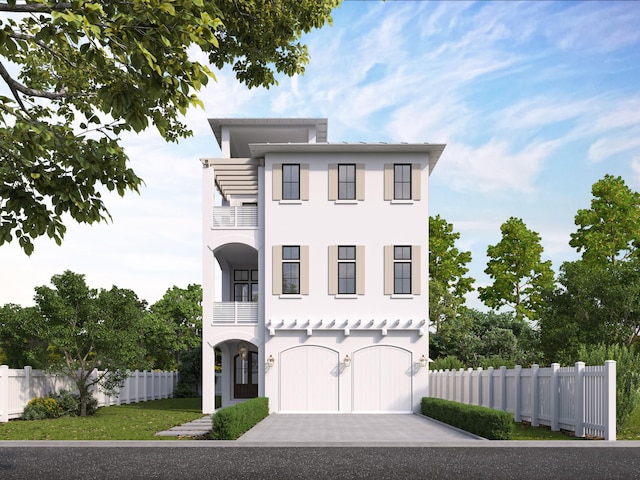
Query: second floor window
x,y
346,182
290,182
402,270
290,270
347,270
402,182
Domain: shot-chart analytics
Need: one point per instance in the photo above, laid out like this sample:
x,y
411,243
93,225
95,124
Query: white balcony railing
x,y
235,312
235,217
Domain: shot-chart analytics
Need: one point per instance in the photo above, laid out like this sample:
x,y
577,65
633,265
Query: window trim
x,y
347,183
403,182
291,182
349,260
293,261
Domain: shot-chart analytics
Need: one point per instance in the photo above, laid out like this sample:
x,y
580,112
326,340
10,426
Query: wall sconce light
x,y
271,361
423,361
347,360
243,349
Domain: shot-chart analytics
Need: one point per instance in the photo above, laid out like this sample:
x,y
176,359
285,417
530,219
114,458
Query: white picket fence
x,y
18,386
579,399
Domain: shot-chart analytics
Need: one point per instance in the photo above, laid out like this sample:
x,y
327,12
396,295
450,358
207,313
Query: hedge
x,y
231,422
482,421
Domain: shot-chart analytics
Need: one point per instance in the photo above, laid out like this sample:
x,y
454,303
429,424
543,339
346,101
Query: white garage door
x,y
309,379
382,379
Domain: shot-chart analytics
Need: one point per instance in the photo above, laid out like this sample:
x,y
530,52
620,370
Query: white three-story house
x,y
315,268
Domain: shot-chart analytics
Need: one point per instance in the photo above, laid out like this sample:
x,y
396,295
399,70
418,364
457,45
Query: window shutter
x,y
416,269
333,181
276,264
388,270
304,269
333,269
276,175
388,181
360,269
304,181
360,181
416,171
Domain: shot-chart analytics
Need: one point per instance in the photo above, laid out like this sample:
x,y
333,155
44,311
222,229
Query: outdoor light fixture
x,y
271,361
243,349
347,360
423,361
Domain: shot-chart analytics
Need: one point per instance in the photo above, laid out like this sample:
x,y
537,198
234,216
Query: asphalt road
x,y
209,462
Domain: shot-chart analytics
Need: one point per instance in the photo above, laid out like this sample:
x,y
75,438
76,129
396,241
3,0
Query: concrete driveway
x,y
353,429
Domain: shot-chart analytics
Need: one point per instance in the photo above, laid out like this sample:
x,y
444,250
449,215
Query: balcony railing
x,y
235,312
235,217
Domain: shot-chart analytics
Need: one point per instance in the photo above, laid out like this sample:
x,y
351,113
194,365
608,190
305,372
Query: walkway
x,y
197,428
354,429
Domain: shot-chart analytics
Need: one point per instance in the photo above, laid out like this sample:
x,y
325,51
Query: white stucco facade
x,y
317,313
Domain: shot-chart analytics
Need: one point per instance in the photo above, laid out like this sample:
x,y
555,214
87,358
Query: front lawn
x,y
137,421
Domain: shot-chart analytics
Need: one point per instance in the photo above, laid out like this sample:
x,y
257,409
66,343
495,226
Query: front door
x,y
245,378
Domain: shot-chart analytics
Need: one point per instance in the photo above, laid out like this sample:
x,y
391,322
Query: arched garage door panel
x,y
309,379
382,380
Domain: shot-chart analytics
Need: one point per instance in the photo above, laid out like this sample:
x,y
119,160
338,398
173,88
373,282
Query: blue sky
x,y
536,101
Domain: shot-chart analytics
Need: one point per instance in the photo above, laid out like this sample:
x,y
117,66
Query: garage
x,y
382,380
309,378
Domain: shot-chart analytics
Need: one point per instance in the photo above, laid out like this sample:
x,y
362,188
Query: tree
x,y
448,280
174,326
21,342
520,277
610,230
81,72
90,330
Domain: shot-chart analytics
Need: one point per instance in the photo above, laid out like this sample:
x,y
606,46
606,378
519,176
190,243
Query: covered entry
x,y
382,379
309,377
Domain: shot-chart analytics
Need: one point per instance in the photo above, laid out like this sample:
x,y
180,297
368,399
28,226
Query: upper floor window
x,y
290,270
346,182
402,270
347,270
402,182
290,182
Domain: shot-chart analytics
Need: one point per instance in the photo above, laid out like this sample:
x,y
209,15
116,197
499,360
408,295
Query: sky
x,y
536,101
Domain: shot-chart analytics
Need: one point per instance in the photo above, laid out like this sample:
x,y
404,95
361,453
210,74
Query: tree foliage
x,y
80,73
21,337
448,280
520,277
88,330
610,230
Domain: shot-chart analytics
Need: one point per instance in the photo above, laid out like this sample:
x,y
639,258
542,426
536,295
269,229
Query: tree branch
x,y
16,87
41,44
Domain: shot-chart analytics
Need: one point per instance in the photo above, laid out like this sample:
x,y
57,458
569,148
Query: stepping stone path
x,y
197,428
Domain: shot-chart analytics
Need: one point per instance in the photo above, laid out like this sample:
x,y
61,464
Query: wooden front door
x,y
245,377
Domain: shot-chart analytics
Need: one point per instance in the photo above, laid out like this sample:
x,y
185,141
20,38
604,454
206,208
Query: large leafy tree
x,y
448,279
609,231
520,277
21,341
87,330
79,73
173,326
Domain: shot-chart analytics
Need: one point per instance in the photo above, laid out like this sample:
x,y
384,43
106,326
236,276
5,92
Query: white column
x,y
610,399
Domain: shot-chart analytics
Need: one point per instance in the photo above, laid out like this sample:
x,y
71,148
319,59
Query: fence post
x,y
503,388
4,393
517,394
479,397
610,399
535,397
555,397
578,400
490,387
26,385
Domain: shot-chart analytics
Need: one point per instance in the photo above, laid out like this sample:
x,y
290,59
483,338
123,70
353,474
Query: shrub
x,y
40,408
231,422
482,421
627,374
69,403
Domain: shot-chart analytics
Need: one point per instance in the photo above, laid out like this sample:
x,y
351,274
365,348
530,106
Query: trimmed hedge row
x,y
231,422
482,421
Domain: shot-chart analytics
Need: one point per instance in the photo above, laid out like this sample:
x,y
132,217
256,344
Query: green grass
x,y
527,432
137,421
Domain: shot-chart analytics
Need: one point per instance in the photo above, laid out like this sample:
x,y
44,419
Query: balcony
x,y
235,312
235,217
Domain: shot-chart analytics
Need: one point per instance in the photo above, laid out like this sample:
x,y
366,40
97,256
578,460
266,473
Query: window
x,y
290,182
245,286
290,270
346,270
402,270
346,182
402,182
